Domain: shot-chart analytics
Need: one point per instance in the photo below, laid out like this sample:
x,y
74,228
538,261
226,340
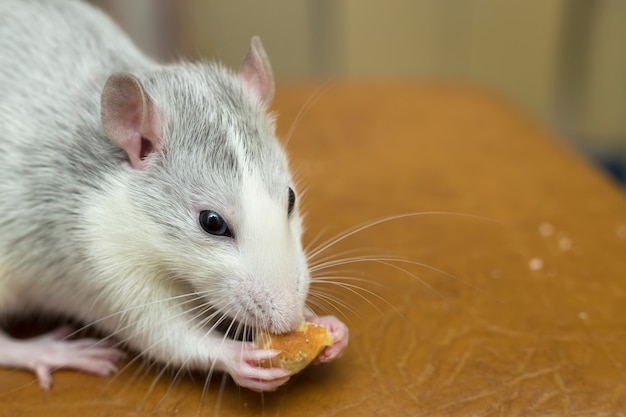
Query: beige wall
x,y
509,45
603,107
527,49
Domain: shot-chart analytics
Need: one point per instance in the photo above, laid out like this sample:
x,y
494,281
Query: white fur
x,y
87,236
274,278
260,277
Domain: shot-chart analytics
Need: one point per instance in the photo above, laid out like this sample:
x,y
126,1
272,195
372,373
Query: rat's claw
x,y
247,373
46,365
258,385
252,354
49,352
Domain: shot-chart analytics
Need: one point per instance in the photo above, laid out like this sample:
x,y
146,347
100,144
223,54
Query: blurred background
x,y
564,61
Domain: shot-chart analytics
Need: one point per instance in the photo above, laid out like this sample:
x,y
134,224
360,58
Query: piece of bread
x,y
297,348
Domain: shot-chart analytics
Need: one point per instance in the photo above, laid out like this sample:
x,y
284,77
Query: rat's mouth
x,y
213,319
235,330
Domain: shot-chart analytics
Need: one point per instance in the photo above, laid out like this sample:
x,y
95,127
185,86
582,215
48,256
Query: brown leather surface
x,y
529,317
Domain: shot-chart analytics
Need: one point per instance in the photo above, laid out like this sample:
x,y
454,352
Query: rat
x,y
150,201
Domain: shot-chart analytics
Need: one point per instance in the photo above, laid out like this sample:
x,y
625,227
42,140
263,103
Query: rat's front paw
x,y
340,337
246,372
52,351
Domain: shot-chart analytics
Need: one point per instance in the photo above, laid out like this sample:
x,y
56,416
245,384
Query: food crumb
x,y
496,273
546,229
565,243
535,264
583,316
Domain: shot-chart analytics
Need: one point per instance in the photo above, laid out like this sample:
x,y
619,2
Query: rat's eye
x,y
214,224
292,201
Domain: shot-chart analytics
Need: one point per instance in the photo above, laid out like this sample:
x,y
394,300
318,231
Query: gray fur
x,y
51,145
57,167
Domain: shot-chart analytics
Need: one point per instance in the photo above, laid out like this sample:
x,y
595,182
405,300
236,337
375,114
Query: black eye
x,y
214,224
292,201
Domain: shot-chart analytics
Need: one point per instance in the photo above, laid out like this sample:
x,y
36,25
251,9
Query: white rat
x,y
150,201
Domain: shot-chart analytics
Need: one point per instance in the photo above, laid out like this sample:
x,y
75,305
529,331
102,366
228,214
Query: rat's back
x,y
57,45
55,56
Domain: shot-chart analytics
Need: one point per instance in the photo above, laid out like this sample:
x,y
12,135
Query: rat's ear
x,y
129,118
256,71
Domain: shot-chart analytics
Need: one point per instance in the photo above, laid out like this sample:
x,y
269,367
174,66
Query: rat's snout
x,y
272,304
274,290
275,277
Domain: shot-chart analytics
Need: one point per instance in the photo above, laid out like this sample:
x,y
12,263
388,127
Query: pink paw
x,y
51,351
340,335
246,372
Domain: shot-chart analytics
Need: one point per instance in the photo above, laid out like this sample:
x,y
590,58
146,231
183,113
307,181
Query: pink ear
x,y
129,118
256,71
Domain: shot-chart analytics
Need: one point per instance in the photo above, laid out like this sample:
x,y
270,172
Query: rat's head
x,y
214,199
